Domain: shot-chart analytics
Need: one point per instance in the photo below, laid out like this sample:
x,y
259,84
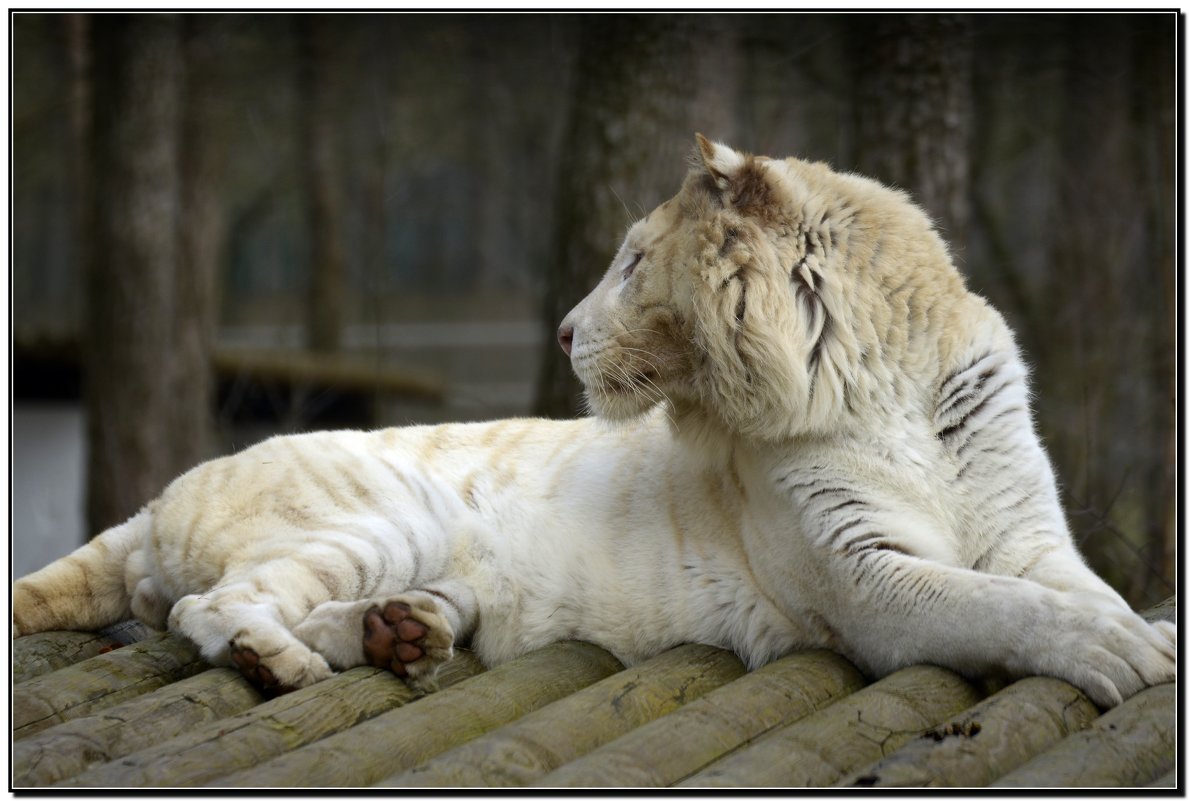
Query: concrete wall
x,y
47,484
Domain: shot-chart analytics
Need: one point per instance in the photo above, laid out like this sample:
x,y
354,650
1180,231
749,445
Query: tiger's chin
x,y
620,392
619,405
686,418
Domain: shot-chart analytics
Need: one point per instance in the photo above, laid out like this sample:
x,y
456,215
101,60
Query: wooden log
x,y
683,742
69,748
406,737
102,681
1167,780
128,631
854,731
38,654
277,727
527,749
1129,746
340,371
1165,610
344,372
989,740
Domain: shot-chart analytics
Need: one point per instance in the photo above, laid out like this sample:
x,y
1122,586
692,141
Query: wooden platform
x,y
252,384
132,708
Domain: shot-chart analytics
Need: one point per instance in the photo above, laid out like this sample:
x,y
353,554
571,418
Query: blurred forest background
x,y
229,225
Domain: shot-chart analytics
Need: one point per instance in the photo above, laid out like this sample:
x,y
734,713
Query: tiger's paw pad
x,y
257,673
407,636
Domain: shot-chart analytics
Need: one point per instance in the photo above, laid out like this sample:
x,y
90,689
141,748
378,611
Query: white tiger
x,y
812,435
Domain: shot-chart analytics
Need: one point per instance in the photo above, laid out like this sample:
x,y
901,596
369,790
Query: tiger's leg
x,y
1011,524
247,619
150,604
243,624
899,597
1031,542
410,633
1011,513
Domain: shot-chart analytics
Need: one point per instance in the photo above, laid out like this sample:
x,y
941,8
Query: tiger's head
x,y
756,299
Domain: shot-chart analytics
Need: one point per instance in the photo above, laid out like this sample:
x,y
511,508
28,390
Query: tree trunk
x,y
912,110
1155,54
492,167
635,109
1090,369
78,53
201,240
130,276
379,140
320,172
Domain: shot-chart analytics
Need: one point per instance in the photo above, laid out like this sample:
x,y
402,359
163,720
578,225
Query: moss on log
x,y
849,733
277,727
1129,746
38,654
69,748
985,742
1167,780
406,737
101,681
532,746
674,746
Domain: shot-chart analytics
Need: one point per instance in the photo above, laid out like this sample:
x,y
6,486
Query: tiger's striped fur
x,y
808,434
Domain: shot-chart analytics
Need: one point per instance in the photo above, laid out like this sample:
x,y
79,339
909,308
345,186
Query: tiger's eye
x,y
631,268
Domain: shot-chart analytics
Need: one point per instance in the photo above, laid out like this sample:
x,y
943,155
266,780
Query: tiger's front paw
x,y
406,635
1107,650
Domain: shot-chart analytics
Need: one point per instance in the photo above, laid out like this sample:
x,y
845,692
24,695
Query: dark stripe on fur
x,y
953,429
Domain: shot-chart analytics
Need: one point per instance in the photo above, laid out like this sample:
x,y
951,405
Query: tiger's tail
x,y
86,590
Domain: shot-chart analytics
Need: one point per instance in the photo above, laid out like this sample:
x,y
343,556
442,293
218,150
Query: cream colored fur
x,y
809,434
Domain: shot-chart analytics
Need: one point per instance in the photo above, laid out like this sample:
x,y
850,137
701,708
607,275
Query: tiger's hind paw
x,y
407,636
257,673
279,673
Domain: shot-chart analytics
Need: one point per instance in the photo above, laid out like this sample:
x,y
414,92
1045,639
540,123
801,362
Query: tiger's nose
x,y
565,338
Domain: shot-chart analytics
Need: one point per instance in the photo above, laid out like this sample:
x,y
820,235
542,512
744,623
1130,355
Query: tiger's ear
x,y
721,162
742,180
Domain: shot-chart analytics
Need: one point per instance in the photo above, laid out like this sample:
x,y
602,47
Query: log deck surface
x,y
131,708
